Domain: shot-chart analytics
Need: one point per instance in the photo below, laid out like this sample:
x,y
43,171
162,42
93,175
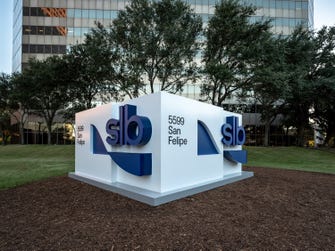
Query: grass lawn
x,y
20,164
297,158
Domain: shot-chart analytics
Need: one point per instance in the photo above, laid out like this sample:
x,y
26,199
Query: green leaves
x,y
158,41
230,52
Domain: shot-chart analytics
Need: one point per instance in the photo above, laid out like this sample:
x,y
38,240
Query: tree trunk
x,y
49,125
2,135
21,125
330,134
266,133
300,136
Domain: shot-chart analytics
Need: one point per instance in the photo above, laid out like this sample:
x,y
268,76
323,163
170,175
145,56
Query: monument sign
x,y
159,147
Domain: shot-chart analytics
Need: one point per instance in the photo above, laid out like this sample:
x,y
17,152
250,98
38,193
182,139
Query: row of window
x,y
44,12
289,22
74,13
112,14
44,30
44,48
98,14
275,4
280,21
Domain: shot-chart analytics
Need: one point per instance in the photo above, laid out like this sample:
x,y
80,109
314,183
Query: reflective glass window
x,y
100,14
26,11
85,13
40,30
40,48
291,5
26,30
285,4
114,14
70,31
70,12
33,48
92,14
47,48
77,13
85,30
304,5
33,11
48,30
62,49
25,48
107,14
292,22
77,32
272,4
55,49
211,2
33,29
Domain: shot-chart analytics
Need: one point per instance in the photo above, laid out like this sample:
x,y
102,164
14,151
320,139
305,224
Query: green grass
x,y
20,164
297,158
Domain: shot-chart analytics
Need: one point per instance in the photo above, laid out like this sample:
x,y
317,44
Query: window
x,y
40,48
92,14
114,14
100,14
77,13
48,30
26,30
33,48
47,48
26,11
44,30
70,12
84,14
25,48
40,30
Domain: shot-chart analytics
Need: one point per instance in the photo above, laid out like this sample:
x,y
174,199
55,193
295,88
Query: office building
x,y
46,27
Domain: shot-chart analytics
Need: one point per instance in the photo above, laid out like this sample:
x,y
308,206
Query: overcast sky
x,y
323,15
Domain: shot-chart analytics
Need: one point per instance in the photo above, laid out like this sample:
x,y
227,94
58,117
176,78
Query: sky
x,y
323,15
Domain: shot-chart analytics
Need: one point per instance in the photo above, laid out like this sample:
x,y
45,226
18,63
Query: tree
x,y
299,54
270,81
4,91
16,99
158,39
48,80
89,66
4,109
230,49
323,76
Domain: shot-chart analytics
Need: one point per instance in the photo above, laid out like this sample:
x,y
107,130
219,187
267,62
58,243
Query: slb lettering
x,y
130,129
232,133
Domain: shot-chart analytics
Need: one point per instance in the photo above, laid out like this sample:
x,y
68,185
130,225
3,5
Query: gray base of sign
x,y
155,198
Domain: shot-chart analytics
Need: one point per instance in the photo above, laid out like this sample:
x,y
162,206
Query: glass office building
x,y
47,27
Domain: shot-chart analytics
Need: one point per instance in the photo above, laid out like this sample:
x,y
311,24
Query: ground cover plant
x,y
296,158
20,164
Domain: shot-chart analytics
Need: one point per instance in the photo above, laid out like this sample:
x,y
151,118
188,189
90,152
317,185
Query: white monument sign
x,y
159,147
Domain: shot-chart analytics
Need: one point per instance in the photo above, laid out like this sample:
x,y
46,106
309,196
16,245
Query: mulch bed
x,y
276,209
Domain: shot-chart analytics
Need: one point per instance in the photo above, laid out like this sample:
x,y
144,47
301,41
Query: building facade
x,y
42,28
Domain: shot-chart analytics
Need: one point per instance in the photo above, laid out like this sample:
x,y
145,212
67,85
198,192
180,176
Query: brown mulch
x,y
276,209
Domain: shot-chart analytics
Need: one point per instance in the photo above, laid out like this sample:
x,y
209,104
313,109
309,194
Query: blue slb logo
x,y
129,129
232,135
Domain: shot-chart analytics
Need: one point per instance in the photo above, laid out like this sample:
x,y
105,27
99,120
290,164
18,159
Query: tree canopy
x,y
230,50
49,84
158,39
